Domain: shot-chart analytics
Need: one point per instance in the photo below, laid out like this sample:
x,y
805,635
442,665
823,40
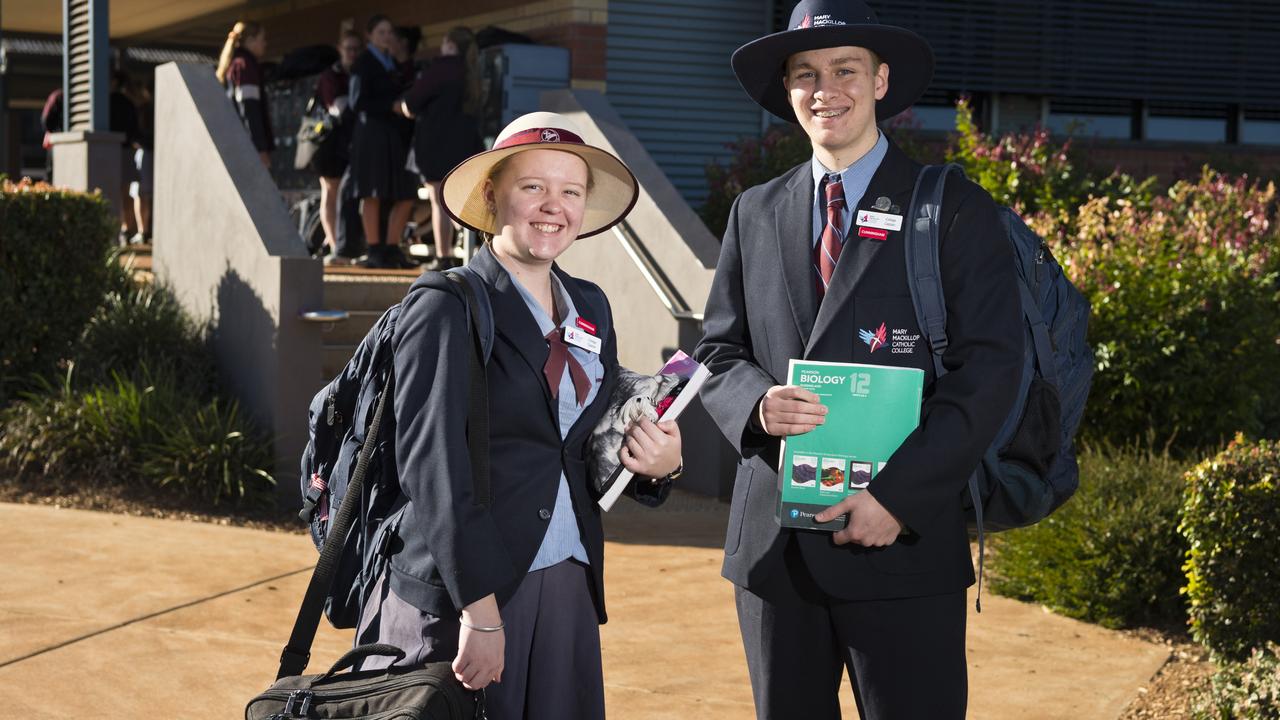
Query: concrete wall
x,y
225,244
685,251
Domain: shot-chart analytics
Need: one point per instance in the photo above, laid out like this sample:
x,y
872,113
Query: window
x,y
1261,126
1187,122
1091,117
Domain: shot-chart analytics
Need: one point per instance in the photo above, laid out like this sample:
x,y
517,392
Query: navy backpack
x,y
1030,468
341,416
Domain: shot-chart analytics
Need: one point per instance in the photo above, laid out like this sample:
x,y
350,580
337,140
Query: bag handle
x,y
356,654
297,652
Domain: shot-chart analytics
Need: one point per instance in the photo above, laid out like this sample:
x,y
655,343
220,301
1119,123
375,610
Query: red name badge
x,y
873,233
586,325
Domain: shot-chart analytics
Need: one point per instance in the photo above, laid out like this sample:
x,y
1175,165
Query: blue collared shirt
x,y
381,57
856,178
563,539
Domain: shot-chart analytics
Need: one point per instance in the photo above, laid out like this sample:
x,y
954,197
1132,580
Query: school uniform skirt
x,y
552,667
379,150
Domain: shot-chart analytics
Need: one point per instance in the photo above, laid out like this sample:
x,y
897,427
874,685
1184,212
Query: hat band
x,y
540,135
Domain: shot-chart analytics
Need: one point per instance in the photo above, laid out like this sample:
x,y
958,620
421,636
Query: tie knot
x,y
835,190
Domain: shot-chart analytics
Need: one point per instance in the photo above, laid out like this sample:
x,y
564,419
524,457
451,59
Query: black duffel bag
x,y
428,692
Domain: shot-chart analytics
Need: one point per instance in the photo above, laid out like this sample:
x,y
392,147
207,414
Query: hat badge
x,y
807,22
550,136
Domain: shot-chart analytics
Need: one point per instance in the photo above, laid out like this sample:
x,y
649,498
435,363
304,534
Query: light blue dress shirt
x,y
383,59
563,539
855,178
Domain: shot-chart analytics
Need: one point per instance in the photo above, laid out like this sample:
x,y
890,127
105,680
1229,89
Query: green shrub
x,y
211,456
1248,690
1111,555
150,435
1231,519
51,276
139,329
1037,176
1186,312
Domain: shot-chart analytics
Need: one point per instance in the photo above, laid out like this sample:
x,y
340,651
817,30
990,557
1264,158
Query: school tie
x,y
827,252
554,368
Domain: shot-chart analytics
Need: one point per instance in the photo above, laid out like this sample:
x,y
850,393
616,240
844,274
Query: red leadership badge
x,y
873,233
587,325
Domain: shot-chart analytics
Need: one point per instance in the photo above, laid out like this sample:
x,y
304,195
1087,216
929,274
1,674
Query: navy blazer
x,y
450,552
751,336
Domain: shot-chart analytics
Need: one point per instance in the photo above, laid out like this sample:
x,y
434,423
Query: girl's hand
x,y
651,450
481,655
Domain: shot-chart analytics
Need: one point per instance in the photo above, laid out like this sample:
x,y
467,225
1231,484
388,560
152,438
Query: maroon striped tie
x,y
827,253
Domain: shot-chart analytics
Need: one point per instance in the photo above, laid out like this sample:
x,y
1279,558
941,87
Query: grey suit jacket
x,y
763,311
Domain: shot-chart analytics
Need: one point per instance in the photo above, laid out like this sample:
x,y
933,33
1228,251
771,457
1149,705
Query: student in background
x,y
378,149
122,116
140,190
445,102
239,71
334,154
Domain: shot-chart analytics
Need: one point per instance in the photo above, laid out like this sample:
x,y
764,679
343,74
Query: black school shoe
x,y
388,258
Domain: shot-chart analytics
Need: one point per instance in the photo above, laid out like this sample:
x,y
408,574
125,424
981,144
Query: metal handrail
x,y
324,316
648,267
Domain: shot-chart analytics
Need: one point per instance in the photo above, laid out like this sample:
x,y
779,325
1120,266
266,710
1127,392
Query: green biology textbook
x,y
871,409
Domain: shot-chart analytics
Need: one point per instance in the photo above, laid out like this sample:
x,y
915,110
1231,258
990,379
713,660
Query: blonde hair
x,y
242,31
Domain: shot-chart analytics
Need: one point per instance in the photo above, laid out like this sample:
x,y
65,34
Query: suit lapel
x,y
793,228
513,321
893,179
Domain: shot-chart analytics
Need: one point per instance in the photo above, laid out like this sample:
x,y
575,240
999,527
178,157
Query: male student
x,y
809,260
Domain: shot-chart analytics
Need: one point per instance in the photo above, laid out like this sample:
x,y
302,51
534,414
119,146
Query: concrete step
x,y
333,358
373,293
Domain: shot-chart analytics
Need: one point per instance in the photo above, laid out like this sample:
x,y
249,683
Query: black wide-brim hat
x,y
817,24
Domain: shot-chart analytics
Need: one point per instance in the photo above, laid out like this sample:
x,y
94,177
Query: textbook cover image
x,y
662,396
871,409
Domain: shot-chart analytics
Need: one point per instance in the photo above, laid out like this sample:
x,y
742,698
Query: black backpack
x,y
1030,468
338,421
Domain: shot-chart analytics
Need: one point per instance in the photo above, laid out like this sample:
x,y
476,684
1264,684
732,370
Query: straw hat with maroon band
x,y
613,191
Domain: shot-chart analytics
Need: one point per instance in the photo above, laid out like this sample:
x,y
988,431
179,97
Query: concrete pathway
x,y
110,616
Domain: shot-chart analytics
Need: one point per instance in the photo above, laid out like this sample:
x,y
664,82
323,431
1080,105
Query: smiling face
x,y
833,92
538,199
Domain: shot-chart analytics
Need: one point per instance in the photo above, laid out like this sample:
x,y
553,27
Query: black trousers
x,y
906,657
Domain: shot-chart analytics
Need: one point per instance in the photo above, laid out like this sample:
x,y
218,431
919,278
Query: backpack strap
x,y
297,652
924,279
481,315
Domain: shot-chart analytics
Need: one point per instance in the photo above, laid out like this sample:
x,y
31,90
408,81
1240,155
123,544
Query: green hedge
x,y
1231,519
51,276
1248,690
1185,320
1111,555
138,330
151,435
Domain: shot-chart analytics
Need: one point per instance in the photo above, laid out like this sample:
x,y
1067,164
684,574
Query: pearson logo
x,y
794,513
